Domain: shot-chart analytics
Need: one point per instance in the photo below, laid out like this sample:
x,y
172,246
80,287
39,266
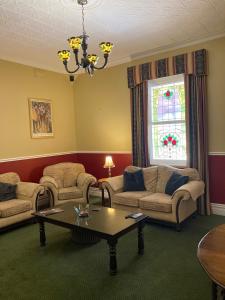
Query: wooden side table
x,y
211,255
105,202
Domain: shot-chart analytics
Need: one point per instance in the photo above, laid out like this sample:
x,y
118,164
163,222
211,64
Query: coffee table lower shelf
x,y
84,238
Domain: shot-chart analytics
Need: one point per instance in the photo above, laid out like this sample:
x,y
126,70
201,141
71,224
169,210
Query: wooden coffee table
x,y
107,223
211,255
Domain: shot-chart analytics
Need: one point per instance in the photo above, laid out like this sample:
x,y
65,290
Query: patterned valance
x,y
189,63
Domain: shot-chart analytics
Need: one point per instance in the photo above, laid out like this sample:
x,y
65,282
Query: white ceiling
x,y
32,31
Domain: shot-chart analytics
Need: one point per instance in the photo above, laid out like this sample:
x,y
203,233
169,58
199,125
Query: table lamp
x,y
109,163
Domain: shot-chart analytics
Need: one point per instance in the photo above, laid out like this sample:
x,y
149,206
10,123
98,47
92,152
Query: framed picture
x,y
40,111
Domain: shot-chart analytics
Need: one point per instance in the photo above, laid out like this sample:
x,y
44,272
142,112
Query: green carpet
x,y
168,270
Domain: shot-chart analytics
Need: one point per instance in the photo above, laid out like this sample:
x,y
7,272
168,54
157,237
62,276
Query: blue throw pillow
x,y
133,181
176,180
7,191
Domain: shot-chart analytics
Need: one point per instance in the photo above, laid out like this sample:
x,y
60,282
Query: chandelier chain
x,y
84,32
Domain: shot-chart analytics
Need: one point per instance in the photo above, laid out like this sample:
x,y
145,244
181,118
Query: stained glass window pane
x,y
168,102
169,141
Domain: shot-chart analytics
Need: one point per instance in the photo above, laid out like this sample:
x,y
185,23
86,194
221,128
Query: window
x,y
167,121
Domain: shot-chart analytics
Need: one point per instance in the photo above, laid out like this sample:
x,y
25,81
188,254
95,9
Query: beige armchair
x,y
68,182
20,209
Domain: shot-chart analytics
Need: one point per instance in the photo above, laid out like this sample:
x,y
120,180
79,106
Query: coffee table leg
x,y
112,254
103,197
140,238
42,233
214,291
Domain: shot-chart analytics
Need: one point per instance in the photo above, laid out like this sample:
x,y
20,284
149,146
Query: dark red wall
x,y
217,178
94,162
32,169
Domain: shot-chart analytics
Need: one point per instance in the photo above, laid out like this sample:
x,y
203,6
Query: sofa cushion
x,y
10,177
175,181
57,171
56,174
165,172
69,178
129,198
70,193
157,202
133,181
26,189
14,207
150,178
7,191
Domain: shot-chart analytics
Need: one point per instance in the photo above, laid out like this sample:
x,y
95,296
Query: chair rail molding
x,y
36,156
216,153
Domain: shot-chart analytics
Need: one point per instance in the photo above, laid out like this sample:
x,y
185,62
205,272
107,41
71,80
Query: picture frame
x,y
40,113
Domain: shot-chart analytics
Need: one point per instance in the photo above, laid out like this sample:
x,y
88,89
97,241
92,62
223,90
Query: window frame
x,y
157,83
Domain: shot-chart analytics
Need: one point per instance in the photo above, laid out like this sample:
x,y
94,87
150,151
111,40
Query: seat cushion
x,y
14,207
129,198
70,193
157,202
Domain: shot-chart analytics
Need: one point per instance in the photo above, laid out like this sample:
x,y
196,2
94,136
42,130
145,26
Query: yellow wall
x,y
17,84
103,112
93,114
103,103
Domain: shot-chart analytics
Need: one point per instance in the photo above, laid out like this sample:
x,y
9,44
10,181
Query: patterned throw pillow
x,y
7,191
133,181
176,180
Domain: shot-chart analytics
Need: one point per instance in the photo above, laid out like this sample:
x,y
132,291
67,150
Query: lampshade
x,y
108,162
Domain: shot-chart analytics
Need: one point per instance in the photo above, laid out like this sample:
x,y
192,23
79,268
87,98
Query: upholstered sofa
x,y
153,201
68,182
20,208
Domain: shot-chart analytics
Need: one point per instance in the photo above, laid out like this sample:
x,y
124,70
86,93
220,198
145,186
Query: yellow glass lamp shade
x,y
75,42
93,58
64,55
106,47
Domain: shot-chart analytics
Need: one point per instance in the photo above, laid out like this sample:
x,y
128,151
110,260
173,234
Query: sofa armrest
x,y
113,185
84,181
28,191
193,189
48,179
50,183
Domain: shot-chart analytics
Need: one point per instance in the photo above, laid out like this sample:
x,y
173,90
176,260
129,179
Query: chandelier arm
x,y
105,63
76,57
68,71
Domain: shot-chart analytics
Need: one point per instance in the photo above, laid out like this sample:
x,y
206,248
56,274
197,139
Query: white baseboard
x,y
218,209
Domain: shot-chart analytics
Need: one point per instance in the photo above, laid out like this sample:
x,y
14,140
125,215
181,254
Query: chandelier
x,y
88,61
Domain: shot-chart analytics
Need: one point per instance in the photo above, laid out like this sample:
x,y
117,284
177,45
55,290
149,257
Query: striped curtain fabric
x,y
189,63
139,111
195,87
